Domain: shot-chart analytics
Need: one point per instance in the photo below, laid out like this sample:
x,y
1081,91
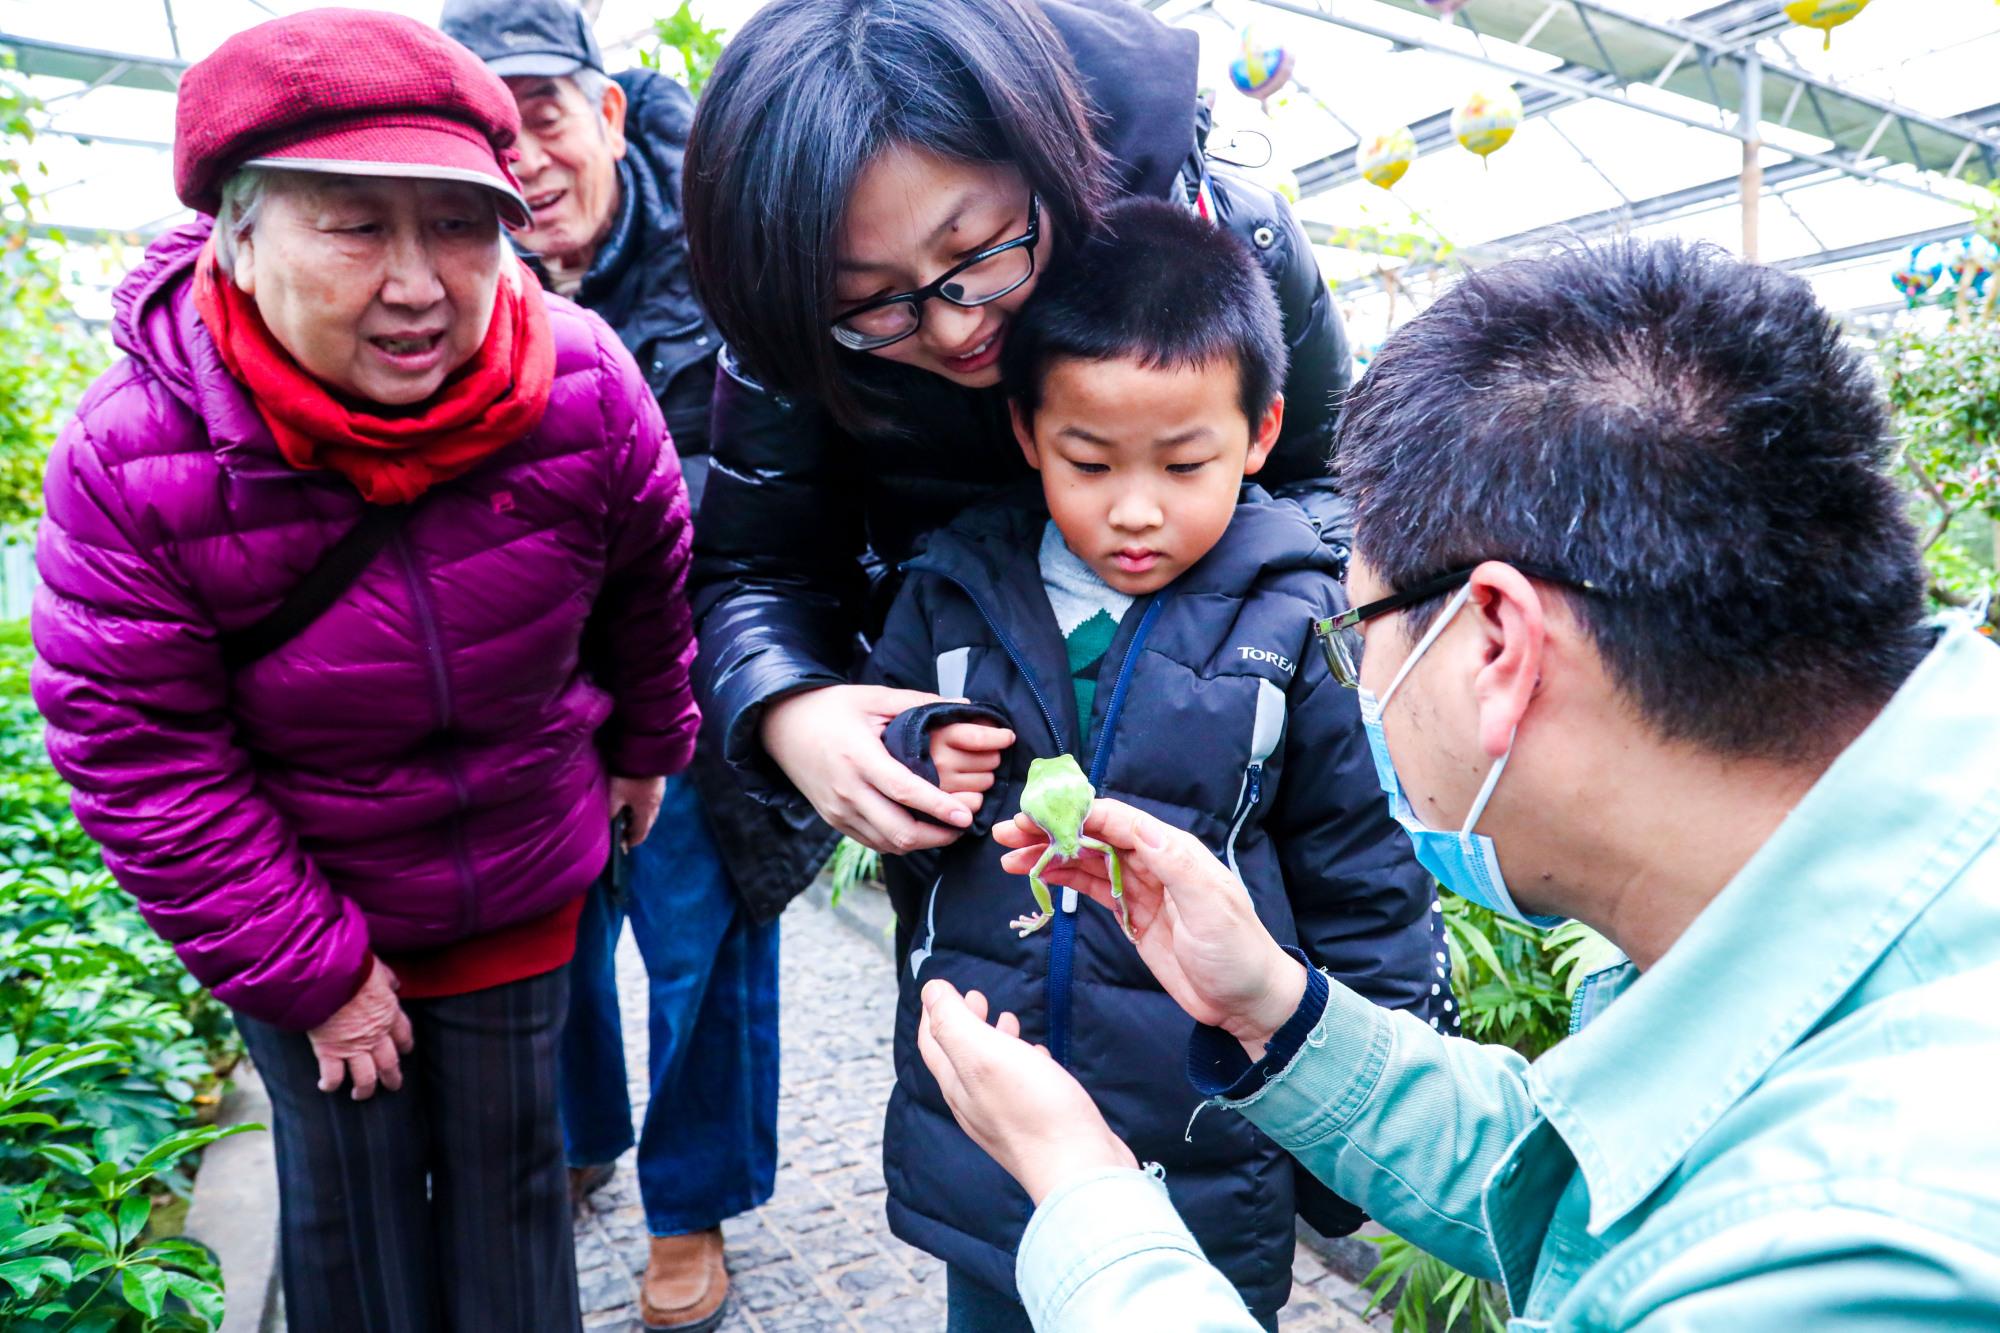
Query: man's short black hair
x,y
1689,433
1158,285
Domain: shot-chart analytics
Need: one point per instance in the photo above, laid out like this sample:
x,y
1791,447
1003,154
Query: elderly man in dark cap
x,y
600,168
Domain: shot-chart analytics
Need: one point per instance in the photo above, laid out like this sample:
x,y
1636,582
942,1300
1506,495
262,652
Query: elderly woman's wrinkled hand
x,y
1013,1100
365,1039
1192,920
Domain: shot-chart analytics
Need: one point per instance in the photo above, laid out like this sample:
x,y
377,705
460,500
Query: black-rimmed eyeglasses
x,y
1340,636
986,276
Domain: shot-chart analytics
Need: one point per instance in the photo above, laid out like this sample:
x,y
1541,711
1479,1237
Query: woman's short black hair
x,y
1158,285
802,98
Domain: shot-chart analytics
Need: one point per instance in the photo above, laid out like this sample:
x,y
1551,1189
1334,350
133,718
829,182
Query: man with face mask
x,y
1640,638
600,166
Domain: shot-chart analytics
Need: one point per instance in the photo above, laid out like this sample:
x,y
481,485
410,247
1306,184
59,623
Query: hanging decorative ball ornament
x,y
1826,15
1485,121
1384,158
1260,71
1973,261
1918,275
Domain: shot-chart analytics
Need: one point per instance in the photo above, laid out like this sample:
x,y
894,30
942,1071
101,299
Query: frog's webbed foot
x,y
1117,883
1025,926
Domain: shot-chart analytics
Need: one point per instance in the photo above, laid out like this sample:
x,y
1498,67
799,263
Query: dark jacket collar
x,y
994,545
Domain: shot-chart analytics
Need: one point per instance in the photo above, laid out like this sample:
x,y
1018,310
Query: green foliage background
x,y
109,1052
47,358
110,1067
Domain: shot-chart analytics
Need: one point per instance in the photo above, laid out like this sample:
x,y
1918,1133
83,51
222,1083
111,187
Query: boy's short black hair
x,y
1689,433
1158,285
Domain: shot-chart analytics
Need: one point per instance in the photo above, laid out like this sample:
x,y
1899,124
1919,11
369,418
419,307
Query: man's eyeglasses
x,y
1340,636
987,276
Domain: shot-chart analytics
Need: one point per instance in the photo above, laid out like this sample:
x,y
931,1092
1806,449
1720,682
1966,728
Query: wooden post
x,y
1750,124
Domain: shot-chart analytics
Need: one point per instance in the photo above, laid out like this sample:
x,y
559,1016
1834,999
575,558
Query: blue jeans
x,y
709,1147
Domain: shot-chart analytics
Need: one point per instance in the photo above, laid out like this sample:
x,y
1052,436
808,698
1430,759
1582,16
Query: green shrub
x,y
1514,986
47,358
109,1063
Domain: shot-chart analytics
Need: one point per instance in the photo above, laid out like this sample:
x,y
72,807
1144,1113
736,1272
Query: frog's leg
x,y
1025,926
1117,881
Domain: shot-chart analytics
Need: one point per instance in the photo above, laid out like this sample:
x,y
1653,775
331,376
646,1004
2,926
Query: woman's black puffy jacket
x,y
800,517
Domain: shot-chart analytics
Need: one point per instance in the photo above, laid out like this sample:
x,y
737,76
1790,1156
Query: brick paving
x,y
819,1256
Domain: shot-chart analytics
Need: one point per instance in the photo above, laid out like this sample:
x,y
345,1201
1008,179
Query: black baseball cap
x,y
524,37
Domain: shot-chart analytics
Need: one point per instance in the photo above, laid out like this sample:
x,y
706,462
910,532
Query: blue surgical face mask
x,y
1464,862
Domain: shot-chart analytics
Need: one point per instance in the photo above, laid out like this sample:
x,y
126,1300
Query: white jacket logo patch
x,y
1264,655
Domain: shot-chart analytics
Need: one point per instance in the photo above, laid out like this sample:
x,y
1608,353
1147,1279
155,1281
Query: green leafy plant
x,y
1944,388
110,1060
851,864
83,1258
685,47
1429,1293
1514,985
47,357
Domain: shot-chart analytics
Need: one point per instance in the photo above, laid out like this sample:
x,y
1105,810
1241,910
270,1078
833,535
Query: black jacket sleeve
x,y
1361,901
905,658
1316,342
776,585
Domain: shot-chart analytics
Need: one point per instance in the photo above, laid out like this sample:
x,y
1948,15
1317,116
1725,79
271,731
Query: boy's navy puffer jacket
x,y
1215,712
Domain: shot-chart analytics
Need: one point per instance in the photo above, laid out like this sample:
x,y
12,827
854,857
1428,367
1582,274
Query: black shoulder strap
x,y
319,589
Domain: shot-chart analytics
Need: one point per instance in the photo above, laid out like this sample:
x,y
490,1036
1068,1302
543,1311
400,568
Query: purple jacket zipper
x,y
420,600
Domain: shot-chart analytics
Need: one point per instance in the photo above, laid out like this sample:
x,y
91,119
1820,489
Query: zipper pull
x,y
1256,782
1068,899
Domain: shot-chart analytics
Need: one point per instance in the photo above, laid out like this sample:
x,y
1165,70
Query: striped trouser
x,y
442,1208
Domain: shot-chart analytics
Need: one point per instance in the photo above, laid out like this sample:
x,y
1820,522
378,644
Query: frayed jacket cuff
x,y
1216,1064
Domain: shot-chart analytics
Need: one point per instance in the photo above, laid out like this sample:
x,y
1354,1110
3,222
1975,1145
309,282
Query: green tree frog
x,y
1057,797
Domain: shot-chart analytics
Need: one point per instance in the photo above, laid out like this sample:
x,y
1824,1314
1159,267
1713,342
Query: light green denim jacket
x,y
1791,1123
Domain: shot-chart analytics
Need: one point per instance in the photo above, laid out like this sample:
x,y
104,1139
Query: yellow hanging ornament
x,y
1384,158
1486,120
1826,15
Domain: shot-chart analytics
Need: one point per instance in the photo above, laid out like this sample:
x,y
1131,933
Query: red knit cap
x,y
347,91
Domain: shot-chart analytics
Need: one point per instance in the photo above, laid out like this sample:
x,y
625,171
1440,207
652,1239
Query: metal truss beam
x,y
1884,245
92,65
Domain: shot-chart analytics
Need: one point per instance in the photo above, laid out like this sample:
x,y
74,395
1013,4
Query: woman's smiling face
x,y
914,214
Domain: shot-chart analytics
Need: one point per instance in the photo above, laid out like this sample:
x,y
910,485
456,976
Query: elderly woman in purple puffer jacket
x,y
361,610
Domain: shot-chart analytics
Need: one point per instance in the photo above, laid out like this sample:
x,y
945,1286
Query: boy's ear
x,y
1264,435
1024,433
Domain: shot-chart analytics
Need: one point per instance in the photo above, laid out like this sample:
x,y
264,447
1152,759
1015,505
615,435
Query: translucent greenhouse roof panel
x,y
106,72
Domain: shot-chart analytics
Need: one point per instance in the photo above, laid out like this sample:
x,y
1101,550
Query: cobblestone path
x,y
819,1256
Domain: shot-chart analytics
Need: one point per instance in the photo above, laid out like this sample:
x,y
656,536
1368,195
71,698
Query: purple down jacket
x,y
424,763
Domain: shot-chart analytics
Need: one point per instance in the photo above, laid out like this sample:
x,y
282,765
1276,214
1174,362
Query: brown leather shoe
x,y
686,1284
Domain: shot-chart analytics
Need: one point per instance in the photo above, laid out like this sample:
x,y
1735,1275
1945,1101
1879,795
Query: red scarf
x,y
494,399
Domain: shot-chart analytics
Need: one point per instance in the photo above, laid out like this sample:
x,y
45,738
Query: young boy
x,y
1146,612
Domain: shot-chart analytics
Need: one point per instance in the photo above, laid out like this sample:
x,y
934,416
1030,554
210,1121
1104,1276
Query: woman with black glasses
x,y
871,189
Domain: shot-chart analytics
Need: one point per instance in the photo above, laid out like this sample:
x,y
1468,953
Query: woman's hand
x,y
1192,919
642,796
829,742
365,1039
1028,1112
